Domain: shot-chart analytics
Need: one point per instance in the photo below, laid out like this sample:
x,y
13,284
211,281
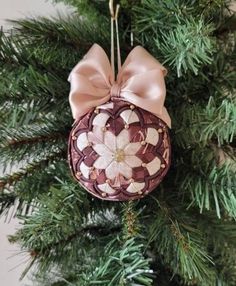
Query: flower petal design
x,y
82,141
103,162
110,141
154,166
102,150
129,116
125,170
133,161
112,171
111,160
152,136
96,136
101,119
132,148
106,188
122,139
85,170
135,187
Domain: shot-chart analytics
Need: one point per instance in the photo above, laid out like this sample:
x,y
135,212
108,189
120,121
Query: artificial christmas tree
x,y
184,232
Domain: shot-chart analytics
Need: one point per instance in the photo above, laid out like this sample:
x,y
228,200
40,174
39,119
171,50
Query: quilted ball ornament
x,y
119,147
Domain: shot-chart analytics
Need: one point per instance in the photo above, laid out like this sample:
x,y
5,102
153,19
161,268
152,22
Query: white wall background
x,y
11,262
13,9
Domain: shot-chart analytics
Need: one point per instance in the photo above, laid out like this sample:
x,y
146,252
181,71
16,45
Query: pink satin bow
x,y
140,81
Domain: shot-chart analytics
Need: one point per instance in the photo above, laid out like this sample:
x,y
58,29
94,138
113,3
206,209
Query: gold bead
x,y
140,192
96,110
163,165
104,129
160,130
132,106
74,137
92,168
144,164
104,195
131,180
143,142
126,126
107,181
78,174
90,144
146,192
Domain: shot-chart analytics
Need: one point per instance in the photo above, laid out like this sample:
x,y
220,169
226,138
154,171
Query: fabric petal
x,y
154,166
122,139
110,141
103,162
82,141
129,116
101,119
135,187
102,150
132,148
106,188
112,171
125,170
84,169
96,135
133,161
152,136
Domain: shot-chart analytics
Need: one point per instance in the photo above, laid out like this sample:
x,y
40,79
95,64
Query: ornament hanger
x,y
114,18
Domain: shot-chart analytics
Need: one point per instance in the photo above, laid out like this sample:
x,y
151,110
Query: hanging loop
x,y
114,18
114,14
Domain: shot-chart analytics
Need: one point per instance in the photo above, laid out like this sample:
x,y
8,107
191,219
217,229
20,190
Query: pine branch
x,y
201,124
213,190
32,134
70,32
9,180
125,265
51,234
130,220
206,178
222,245
187,47
180,245
90,8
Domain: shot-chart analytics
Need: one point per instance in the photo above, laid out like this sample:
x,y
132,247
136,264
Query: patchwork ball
x,y
119,151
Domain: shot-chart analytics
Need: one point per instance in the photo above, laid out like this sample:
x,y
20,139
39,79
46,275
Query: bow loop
x,y
140,81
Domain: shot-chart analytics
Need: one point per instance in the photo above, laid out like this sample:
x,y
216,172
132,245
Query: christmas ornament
x,y
119,147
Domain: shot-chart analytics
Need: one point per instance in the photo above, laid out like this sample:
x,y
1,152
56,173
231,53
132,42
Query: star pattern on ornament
x,y
117,155
119,151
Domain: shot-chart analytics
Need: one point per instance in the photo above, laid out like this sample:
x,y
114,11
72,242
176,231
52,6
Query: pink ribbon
x,y
140,81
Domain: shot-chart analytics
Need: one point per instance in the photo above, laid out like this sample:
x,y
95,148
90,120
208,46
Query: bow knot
x,y
140,81
115,90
